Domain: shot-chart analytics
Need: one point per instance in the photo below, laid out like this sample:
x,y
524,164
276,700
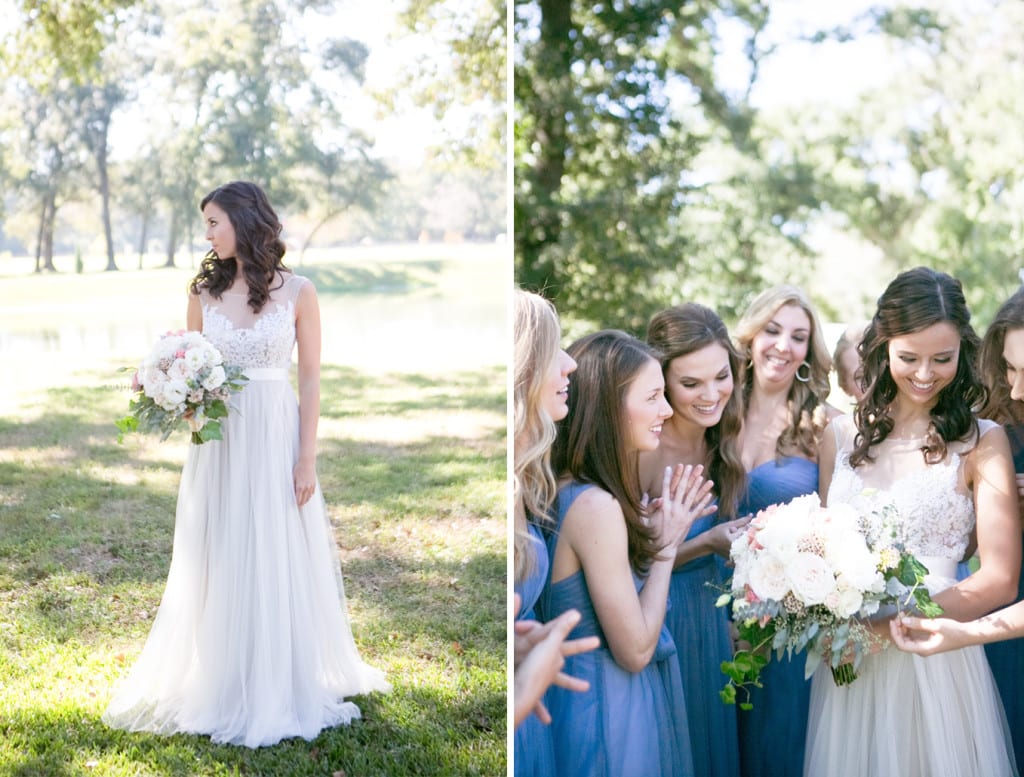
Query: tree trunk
x,y
172,237
49,219
143,236
39,237
101,163
554,65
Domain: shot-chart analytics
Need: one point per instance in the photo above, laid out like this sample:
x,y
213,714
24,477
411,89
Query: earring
x,y
802,378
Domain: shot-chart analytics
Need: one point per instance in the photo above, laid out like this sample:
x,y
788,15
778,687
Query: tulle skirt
x,y
912,716
251,644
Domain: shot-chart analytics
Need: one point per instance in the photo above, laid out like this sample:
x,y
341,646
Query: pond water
x,y
377,332
51,334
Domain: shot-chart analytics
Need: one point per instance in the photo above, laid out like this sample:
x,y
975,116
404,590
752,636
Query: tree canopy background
x,y
652,166
116,116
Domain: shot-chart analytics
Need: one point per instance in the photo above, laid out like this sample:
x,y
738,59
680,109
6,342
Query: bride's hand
x,y
304,480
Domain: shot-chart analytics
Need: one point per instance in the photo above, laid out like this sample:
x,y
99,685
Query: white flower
x,y
179,370
174,394
768,578
811,578
195,358
844,601
216,377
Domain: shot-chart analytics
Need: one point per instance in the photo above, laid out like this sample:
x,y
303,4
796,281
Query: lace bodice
x,y
936,512
249,339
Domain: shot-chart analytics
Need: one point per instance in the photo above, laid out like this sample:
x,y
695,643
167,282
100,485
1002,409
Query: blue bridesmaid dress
x,y
701,634
628,724
533,754
772,734
1007,657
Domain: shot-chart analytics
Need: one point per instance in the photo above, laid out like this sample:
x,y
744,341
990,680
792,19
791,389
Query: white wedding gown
x,y
251,643
906,715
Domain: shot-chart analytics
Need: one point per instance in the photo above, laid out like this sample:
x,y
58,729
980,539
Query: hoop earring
x,y
799,377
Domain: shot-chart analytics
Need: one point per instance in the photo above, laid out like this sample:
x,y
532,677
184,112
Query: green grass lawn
x,y
412,465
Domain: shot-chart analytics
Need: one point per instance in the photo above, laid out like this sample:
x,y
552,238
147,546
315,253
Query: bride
x,y
251,643
914,441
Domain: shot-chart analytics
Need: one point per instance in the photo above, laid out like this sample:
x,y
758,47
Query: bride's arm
x,y
194,314
307,335
989,472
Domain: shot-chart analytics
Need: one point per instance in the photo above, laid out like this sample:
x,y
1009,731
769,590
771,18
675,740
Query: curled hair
x,y
537,335
685,329
591,442
915,300
258,244
806,400
1000,407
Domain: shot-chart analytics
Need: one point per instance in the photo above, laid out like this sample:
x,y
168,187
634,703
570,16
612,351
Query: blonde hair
x,y
537,336
806,399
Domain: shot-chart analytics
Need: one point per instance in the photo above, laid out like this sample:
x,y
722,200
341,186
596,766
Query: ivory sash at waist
x,y
939,567
266,373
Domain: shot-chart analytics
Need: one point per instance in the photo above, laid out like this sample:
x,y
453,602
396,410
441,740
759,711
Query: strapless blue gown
x,y
533,753
1007,657
701,633
772,734
628,724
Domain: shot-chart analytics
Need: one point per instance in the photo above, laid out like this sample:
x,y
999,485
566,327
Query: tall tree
x,y
617,106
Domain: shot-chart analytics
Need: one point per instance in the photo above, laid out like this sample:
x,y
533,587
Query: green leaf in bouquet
x,y
211,431
728,694
217,409
780,639
723,600
814,656
924,602
126,425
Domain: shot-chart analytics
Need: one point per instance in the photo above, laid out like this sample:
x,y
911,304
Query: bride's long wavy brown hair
x,y
917,299
258,244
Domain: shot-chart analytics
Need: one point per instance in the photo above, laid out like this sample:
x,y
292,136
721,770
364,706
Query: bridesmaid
x,y
541,389
1002,372
700,365
611,558
785,388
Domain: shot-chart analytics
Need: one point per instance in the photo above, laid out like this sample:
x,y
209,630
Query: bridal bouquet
x,y
806,577
183,381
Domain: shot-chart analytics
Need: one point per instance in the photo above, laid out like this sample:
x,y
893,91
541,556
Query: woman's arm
x,y
194,314
718,539
989,473
307,335
595,530
926,636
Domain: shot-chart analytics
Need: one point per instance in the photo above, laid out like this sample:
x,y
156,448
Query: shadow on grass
x,y
412,730
386,278
457,604
346,392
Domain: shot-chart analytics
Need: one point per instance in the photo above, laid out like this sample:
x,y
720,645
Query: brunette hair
x,y
258,244
915,300
537,335
1000,407
591,442
849,339
806,398
685,329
